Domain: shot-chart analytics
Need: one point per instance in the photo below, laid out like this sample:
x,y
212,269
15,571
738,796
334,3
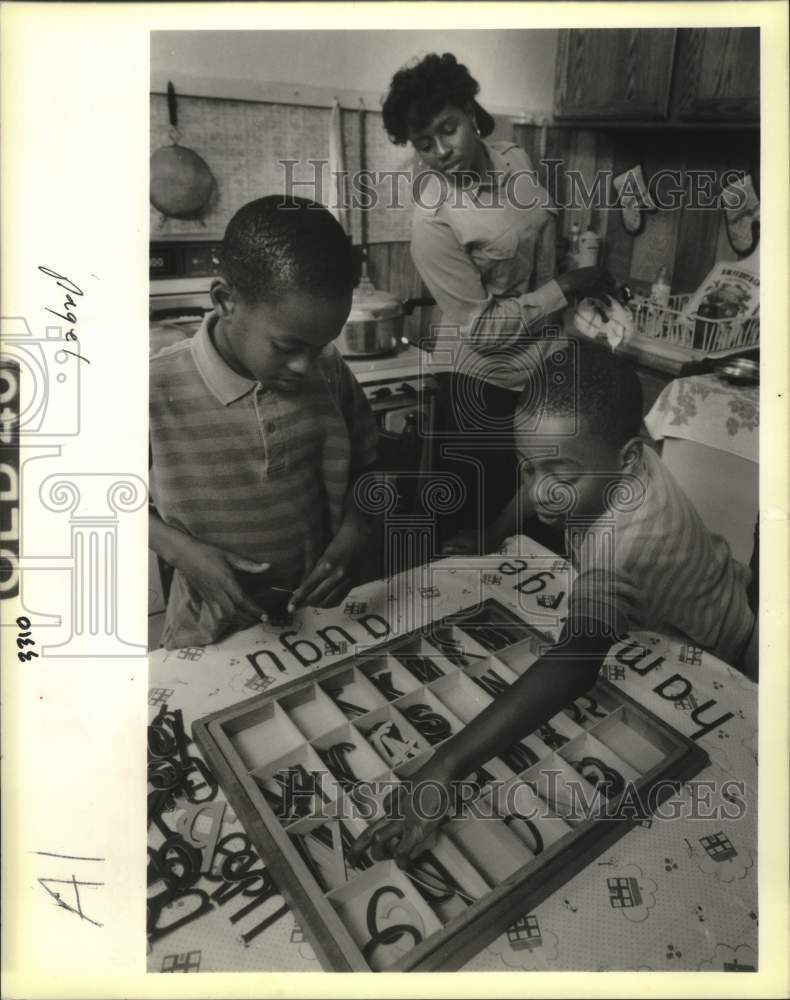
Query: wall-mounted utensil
x,y
181,183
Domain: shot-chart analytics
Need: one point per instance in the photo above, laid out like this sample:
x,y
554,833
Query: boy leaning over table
x,y
643,557
259,431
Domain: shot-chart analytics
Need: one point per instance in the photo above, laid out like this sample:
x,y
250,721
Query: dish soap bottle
x,y
660,290
659,297
589,247
572,258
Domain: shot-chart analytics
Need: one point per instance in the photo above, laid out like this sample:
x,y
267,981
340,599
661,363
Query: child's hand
x,y
210,570
417,817
332,577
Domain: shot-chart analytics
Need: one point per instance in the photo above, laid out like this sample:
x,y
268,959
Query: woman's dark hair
x,y
419,92
282,244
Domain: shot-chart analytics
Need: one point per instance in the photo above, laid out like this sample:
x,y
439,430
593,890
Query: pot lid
x,y
373,305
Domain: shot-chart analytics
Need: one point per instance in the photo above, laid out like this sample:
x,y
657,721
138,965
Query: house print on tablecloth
x,y
188,961
718,847
623,892
525,933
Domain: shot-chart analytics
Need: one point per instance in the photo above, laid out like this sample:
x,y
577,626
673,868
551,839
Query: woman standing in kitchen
x,y
484,242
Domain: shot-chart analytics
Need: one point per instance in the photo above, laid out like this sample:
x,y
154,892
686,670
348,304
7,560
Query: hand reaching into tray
x,y
417,808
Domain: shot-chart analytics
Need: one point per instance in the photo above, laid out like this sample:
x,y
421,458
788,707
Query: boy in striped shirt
x,y
259,430
644,559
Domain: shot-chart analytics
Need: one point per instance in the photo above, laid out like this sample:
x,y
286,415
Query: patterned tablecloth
x,y
706,409
672,894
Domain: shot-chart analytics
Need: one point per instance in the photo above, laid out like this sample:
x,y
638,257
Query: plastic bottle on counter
x,y
573,246
660,289
660,292
589,247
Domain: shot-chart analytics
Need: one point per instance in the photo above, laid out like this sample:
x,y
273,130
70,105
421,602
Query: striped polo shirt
x,y
654,565
251,470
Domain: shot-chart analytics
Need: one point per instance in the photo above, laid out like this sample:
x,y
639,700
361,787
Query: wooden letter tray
x,y
308,766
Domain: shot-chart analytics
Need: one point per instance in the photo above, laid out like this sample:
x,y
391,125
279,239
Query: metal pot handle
x,y
409,305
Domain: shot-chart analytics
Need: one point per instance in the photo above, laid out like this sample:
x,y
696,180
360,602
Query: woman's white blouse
x,y
487,255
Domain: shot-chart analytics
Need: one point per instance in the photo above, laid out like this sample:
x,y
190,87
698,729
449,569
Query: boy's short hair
x,y
599,386
280,244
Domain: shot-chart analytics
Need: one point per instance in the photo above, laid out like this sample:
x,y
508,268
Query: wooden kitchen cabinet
x,y
717,75
622,74
670,77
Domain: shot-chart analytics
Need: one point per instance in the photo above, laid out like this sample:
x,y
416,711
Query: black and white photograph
x,y
454,425
389,560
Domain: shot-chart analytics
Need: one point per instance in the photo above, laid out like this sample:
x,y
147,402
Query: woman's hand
x,y
210,570
418,807
587,282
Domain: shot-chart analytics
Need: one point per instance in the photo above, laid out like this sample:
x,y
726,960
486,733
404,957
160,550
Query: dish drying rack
x,y
699,335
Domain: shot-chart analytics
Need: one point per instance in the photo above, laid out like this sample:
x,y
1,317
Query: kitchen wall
x,y
515,68
244,135
687,241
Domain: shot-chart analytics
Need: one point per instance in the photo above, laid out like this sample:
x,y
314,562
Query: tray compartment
x,y
392,736
382,898
262,734
366,801
493,626
632,737
459,648
558,731
520,657
352,693
599,765
324,845
312,711
462,696
447,881
297,785
348,756
565,791
390,677
490,675
423,661
528,817
489,846
428,716
591,708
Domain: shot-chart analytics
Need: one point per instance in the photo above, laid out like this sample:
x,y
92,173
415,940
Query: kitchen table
x,y
672,894
711,432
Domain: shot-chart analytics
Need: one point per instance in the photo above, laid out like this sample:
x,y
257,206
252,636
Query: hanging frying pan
x,y
181,182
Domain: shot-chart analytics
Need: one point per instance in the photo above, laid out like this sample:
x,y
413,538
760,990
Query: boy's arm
x,y
209,569
334,574
552,682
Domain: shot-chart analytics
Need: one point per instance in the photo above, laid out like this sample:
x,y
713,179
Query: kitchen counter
x,y
692,888
406,363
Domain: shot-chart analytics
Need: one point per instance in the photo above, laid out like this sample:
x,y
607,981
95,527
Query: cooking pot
x,y
375,324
